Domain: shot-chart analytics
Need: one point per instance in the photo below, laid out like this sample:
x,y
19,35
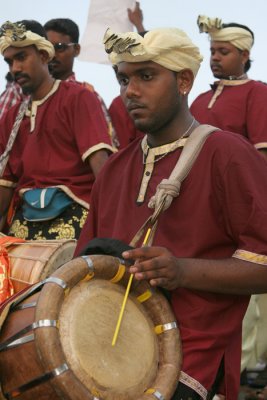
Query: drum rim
x,y
47,339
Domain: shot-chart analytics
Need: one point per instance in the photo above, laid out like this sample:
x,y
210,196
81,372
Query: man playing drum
x,y
209,248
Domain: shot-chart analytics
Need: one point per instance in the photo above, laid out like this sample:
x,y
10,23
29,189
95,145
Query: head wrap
x,y
168,47
239,37
16,35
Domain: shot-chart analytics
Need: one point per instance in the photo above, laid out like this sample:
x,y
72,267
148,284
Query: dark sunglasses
x,y
61,47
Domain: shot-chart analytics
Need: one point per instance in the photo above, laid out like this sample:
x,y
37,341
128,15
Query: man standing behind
x,y
62,140
63,33
235,102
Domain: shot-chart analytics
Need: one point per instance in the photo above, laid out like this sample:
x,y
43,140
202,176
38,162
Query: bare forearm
x,y
228,276
97,160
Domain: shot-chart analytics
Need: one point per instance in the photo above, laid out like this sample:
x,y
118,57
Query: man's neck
x,y
233,77
71,77
43,89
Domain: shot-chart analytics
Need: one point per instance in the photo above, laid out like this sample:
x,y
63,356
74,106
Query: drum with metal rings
x,y
56,340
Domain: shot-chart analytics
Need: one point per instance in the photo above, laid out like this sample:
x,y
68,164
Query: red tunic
x,y
123,123
240,108
69,127
221,208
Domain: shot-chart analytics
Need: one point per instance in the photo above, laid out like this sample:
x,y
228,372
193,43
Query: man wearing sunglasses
x,y
63,33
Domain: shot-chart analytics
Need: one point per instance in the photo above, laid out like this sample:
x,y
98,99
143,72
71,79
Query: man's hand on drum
x,y
155,264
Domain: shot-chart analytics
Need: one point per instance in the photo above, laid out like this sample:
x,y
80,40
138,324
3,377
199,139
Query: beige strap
x,y
170,188
12,137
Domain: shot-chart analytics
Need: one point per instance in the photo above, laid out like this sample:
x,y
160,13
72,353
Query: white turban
x,y
169,47
239,37
17,36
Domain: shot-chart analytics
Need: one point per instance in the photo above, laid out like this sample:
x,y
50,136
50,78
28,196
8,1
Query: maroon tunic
x,y
69,127
221,209
240,108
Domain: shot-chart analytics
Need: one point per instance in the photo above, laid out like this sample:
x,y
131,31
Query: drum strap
x,y
170,188
12,137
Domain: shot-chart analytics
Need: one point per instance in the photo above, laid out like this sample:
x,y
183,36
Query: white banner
x,y
103,14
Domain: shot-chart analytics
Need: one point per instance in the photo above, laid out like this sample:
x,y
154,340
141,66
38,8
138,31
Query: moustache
x,y
216,65
133,105
19,75
54,62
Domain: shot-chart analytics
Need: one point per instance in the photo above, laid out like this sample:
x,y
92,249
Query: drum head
x,y
82,302
87,324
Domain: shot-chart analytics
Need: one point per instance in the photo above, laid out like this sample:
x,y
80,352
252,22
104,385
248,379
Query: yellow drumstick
x,y
126,296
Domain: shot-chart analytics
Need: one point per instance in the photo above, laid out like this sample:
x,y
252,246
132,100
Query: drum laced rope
x,y
115,336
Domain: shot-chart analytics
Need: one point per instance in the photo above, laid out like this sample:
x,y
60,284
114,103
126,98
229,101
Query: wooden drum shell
x,y
47,351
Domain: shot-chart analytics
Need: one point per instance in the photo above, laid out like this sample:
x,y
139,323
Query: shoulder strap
x,y
12,137
170,188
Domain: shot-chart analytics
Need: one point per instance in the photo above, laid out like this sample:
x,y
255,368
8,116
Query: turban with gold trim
x,y
16,35
239,37
168,47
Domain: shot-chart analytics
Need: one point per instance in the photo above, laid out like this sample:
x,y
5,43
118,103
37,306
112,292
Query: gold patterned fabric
x,y
250,256
67,226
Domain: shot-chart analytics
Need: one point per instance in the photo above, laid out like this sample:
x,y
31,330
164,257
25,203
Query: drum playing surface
x,y
87,323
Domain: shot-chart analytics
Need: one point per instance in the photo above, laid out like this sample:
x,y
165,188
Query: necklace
x,y
172,147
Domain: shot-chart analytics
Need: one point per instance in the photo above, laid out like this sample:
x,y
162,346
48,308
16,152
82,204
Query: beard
x,y
25,87
27,90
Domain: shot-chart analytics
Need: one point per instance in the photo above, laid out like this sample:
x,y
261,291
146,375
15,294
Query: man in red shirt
x,y
62,140
63,33
234,102
209,248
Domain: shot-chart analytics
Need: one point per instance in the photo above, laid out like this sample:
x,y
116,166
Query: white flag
x,y
103,14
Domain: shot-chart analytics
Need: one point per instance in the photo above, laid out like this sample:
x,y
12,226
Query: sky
x,y
168,13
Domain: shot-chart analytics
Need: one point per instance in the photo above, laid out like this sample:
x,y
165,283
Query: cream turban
x,y
239,37
16,35
169,47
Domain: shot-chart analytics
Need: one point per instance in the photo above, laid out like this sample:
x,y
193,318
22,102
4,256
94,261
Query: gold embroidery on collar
x,y
220,86
35,104
150,154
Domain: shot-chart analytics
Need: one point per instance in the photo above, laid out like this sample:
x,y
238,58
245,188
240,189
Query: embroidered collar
x,y
149,155
160,150
218,87
32,112
229,82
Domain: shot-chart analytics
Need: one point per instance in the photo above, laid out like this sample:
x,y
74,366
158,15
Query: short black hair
x,y
236,25
65,26
34,26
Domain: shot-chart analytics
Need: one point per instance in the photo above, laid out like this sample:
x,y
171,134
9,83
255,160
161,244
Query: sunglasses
x,y
61,47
